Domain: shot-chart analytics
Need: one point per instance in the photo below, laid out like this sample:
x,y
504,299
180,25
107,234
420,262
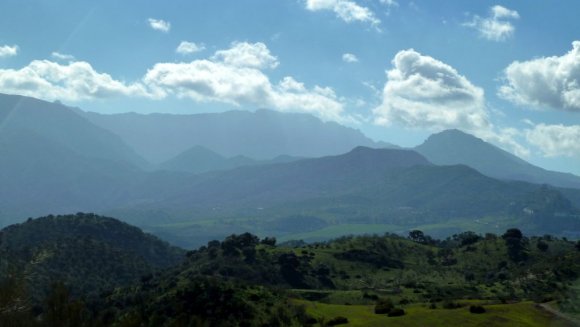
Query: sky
x,y
505,71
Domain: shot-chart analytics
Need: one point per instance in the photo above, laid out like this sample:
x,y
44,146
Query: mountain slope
x,y
263,134
63,126
38,175
378,186
453,147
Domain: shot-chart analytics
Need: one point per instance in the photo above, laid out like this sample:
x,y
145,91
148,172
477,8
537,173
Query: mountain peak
x,y
451,147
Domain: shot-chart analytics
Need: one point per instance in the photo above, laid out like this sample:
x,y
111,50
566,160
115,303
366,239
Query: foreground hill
x,y
263,134
467,279
90,252
454,147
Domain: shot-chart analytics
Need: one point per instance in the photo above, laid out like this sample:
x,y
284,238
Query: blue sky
x,y
506,71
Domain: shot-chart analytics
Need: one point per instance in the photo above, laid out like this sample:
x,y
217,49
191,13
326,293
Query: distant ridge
x,y
261,135
453,147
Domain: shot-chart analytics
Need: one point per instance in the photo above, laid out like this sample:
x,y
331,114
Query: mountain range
x,y
208,175
262,135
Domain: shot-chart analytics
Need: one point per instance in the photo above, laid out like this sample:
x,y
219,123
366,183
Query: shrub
x,y
476,309
384,306
396,312
337,321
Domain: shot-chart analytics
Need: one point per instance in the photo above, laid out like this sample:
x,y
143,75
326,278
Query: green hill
x,y
87,252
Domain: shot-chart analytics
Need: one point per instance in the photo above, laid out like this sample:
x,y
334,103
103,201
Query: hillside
x,y
39,175
369,280
62,125
454,147
399,188
88,252
264,134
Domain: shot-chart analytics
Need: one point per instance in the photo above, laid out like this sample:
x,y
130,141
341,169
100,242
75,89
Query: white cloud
x,y
422,92
349,57
347,10
186,48
497,26
8,51
555,140
545,82
235,76
159,25
62,56
390,3
74,81
244,54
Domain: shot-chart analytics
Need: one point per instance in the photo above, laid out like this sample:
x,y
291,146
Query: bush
x,y
384,306
476,309
451,305
396,312
337,321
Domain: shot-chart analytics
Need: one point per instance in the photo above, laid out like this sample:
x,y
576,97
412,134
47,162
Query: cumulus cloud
x,y
187,48
8,51
555,140
159,25
497,26
347,10
244,54
62,56
349,57
545,82
426,93
74,81
236,76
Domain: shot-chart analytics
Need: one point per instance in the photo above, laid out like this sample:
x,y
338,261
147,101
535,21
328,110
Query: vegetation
x,y
466,279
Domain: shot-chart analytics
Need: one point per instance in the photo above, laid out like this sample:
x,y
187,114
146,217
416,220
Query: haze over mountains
x,y
208,175
264,134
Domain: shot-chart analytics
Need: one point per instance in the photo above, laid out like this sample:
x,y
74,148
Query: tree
x,y
542,246
514,240
417,236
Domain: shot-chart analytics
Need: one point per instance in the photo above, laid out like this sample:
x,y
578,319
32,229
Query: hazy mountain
x,y
54,161
63,126
453,147
199,159
363,186
39,176
263,134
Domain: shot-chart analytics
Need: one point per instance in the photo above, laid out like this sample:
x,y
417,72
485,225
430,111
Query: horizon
x,y
347,62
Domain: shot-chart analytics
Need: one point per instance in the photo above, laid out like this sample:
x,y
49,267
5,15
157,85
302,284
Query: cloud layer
x,y
8,51
545,82
347,10
555,140
497,26
159,25
422,92
74,81
187,48
349,57
236,76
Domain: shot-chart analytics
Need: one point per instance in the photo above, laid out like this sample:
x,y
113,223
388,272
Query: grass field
x,y
512,315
